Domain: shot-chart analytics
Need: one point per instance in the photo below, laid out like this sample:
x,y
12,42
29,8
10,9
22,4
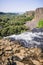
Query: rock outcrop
x,y
13,52
38,15
29,13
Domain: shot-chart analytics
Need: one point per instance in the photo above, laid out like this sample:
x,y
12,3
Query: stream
x,y
29,39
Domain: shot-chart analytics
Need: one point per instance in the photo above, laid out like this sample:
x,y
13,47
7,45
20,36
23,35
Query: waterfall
x,y
29,39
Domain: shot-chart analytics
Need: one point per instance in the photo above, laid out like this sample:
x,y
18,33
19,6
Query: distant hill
x,y
2,13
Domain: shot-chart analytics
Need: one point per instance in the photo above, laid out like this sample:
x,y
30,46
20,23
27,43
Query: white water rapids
x,y
29,39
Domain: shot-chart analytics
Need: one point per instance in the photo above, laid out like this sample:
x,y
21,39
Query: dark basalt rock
x,y
37,30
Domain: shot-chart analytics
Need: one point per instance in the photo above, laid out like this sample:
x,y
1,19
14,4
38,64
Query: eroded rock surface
x,y
38,15
19,54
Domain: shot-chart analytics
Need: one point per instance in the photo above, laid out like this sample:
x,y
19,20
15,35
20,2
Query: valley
x,y
21,38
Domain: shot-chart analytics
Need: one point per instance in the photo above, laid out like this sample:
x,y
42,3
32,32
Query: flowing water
x,y
29,39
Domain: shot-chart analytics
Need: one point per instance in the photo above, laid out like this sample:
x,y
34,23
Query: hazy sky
x,y
19,5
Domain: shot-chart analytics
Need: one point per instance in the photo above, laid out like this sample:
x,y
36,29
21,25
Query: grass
x,y
40,24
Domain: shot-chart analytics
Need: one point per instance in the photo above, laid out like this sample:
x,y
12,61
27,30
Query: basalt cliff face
x,y
29,13
38,15
13,52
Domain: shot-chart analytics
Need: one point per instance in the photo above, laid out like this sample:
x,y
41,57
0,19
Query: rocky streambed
x,y
22,49
13,52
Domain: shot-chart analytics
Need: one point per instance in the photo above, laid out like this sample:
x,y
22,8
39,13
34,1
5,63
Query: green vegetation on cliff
x,y
40,24
13,24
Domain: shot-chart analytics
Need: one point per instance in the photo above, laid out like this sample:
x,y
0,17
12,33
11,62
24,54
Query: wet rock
x,y
37,30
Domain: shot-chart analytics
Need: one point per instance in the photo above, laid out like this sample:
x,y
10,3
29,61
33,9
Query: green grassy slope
x,y
40,24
